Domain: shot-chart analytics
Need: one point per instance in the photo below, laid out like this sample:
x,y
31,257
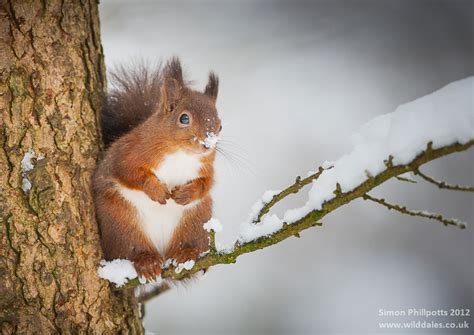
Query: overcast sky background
x,y
297,78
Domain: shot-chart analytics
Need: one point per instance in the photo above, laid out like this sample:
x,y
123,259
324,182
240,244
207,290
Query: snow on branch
x,y
386,147
295,188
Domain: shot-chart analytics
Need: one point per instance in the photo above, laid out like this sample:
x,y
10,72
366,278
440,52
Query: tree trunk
x,y
52,83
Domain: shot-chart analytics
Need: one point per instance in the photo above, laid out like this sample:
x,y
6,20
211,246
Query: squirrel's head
x,y
190,116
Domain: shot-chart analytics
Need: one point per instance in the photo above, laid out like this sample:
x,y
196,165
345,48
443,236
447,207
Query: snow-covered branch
x,y
271,198
388,146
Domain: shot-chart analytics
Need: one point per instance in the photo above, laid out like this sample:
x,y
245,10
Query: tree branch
x,y
314,217
407,180
295,188
212,242
423,214
442,184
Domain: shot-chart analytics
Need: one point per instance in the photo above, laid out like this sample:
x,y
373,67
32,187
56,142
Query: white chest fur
x,y
178,168
159,221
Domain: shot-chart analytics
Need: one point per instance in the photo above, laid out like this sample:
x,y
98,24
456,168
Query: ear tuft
x,y
212,87
174,70
172,85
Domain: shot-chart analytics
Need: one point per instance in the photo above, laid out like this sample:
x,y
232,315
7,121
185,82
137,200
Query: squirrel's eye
x,y
220,128
184,119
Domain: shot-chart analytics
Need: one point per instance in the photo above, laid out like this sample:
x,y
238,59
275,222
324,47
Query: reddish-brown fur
x,y
130,160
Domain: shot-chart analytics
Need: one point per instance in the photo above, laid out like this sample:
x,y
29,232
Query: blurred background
x,y
297,78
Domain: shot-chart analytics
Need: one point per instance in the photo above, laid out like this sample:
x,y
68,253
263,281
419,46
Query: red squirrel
x,y
151,189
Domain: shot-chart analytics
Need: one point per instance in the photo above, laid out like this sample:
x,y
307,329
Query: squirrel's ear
x,y
170,92
212,87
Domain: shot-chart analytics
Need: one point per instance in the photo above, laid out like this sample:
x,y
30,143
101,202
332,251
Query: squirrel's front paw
x,y
184,194
156,190
186,254
148,265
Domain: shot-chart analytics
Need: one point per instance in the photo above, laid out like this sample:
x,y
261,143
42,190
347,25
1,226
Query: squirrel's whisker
x,y
235,161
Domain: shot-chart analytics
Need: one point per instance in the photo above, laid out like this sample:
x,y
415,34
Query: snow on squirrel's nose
x,y
211,140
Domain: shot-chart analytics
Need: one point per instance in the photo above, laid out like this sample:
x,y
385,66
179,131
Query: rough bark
x,y
52,83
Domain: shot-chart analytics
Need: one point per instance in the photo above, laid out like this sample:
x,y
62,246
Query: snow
x,y
213,224
211,140
188,265
26,166
225,248
25,184
250,231
260,203
268,196
117,271
168,263
26,162
120,271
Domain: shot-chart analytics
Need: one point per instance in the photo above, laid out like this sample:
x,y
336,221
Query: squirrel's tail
x,y
132,99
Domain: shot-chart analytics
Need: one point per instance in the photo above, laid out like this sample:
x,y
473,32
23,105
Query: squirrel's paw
x,y
148,265
186,254
156,190
184,194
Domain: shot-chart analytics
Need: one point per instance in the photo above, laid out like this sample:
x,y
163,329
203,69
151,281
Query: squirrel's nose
x,y
210,140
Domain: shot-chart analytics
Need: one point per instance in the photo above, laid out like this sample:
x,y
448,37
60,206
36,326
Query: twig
x,y
405,179
212,242
314,217
298,185
442,184
423,214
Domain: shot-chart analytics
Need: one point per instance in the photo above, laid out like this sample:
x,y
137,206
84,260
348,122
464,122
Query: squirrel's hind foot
x,y
148,265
